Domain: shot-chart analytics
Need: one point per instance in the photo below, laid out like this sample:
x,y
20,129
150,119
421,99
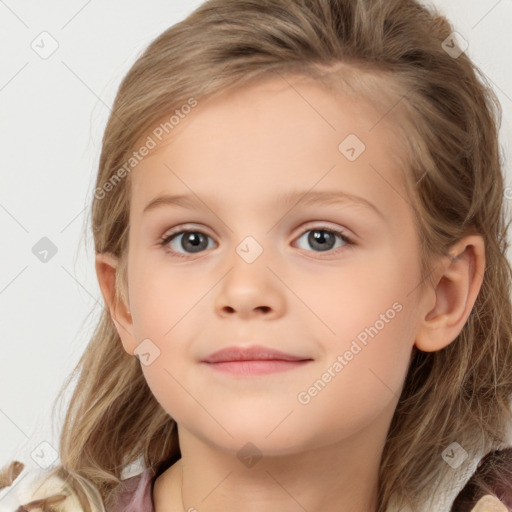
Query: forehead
x,y
279,134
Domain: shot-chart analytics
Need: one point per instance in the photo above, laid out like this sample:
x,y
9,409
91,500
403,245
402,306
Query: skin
x,y
237,152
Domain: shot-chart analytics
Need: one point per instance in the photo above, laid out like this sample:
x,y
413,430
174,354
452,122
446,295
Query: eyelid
x,y
314,224
328,226
188,226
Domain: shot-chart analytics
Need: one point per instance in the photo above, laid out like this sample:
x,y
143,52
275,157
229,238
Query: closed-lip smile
x,y
253,360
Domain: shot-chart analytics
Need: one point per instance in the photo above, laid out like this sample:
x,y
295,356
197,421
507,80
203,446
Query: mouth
x,y
255,360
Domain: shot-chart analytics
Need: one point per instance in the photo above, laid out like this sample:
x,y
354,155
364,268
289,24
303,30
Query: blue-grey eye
x,y
323,239
189,241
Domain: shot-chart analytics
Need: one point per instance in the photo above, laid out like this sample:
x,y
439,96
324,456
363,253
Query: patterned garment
x,y
21,490
137,494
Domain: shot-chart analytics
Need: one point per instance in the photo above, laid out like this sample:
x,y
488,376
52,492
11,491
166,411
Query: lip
x,y
255,360
253,353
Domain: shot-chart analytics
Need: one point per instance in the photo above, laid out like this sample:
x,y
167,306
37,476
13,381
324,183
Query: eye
x,y
323,239
181,243
190,241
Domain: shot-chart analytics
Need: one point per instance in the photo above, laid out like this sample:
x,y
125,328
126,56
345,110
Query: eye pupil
x,y
197,240
321,237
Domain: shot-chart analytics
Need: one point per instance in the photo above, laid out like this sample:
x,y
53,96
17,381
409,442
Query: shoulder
x,y
490,487
489,503
20,485
136,494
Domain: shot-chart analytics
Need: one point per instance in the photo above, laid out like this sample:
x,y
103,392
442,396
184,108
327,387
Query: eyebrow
x,y
288,199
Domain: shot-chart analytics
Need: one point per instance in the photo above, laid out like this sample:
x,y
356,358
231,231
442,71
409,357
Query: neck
x,y
332,478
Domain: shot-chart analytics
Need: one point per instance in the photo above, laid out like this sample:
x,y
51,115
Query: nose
x,y
250,290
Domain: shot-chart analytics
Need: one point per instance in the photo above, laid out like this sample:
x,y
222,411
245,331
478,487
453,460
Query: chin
x,y
254,440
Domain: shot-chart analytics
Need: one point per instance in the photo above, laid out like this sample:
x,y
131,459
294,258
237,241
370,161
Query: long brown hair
x,y
393,55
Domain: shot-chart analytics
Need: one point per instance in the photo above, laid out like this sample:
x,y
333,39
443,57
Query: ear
x,y
106,265
458,283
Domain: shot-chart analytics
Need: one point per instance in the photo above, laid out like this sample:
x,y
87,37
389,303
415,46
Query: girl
x,y
338,334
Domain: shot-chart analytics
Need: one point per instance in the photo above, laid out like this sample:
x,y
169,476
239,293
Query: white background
x,y
53,114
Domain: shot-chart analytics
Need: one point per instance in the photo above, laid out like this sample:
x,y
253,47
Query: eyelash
x,y
164,241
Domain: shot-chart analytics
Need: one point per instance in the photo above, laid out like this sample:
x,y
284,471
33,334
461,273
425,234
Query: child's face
x,y
353,310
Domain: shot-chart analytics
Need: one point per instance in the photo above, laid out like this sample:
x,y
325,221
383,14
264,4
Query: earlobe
x,y
455,294
106,265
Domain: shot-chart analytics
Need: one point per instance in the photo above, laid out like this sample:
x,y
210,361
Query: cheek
x,y
365,291
162,298
359,382
370,313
